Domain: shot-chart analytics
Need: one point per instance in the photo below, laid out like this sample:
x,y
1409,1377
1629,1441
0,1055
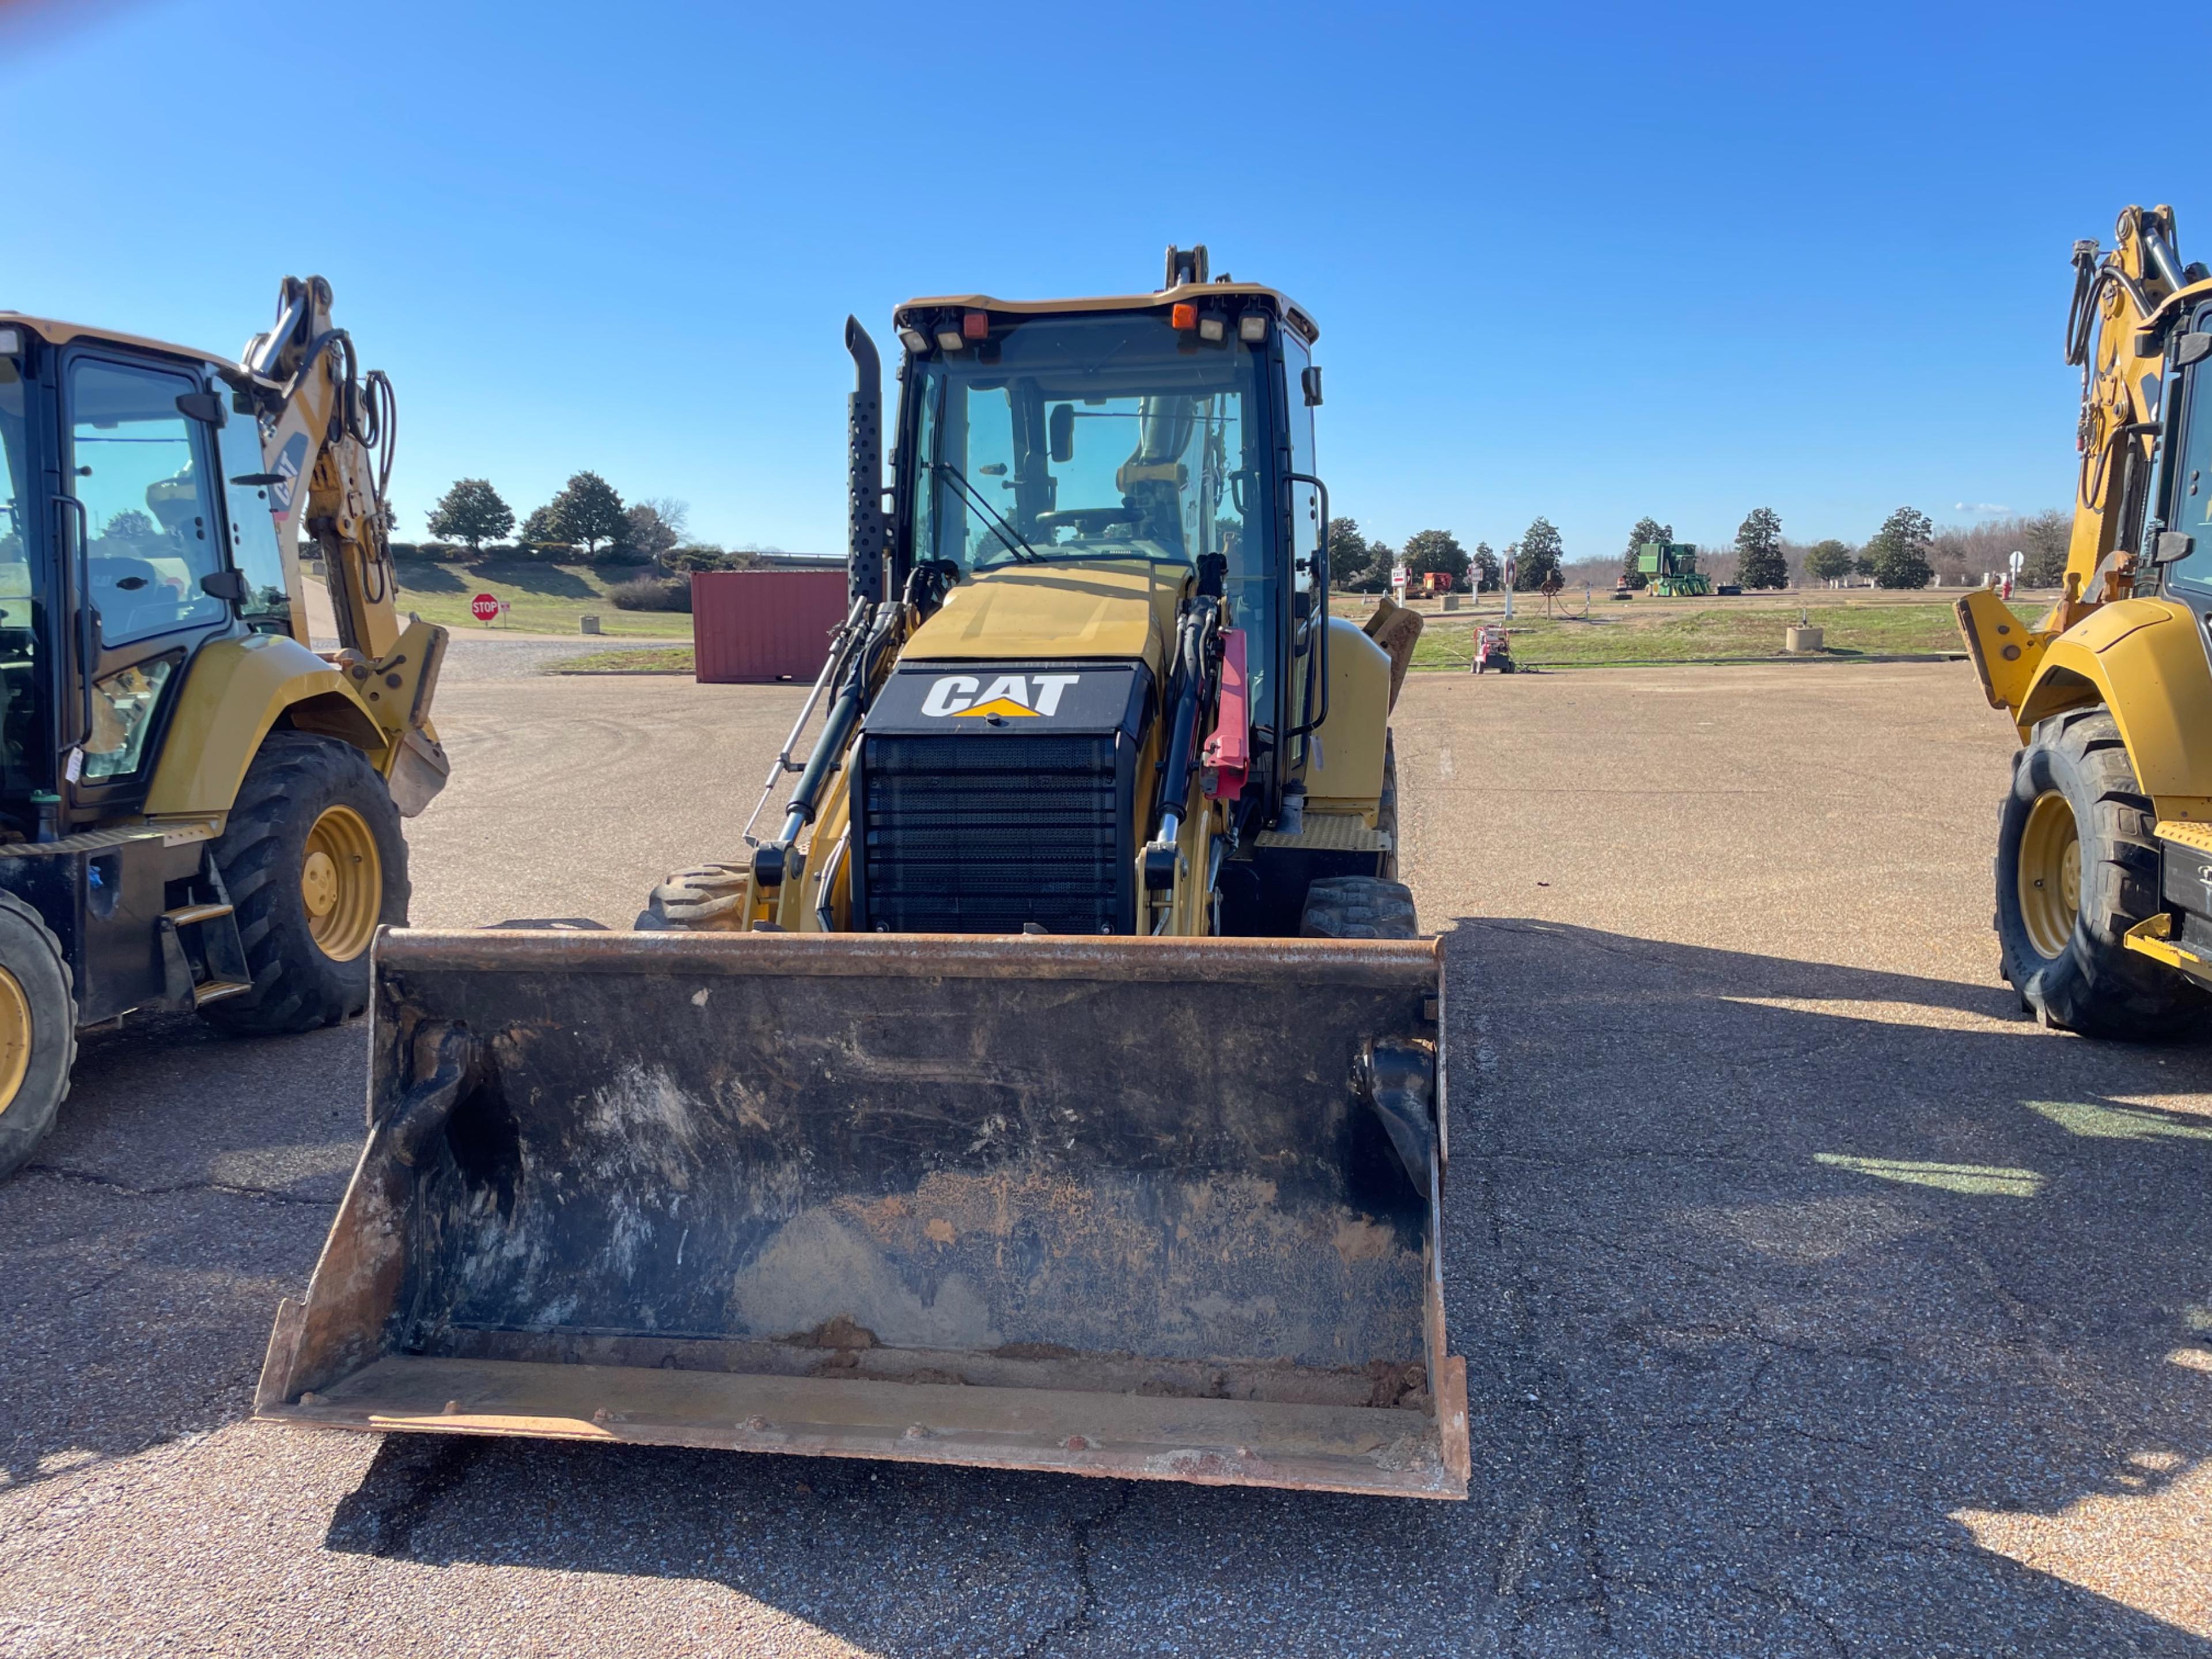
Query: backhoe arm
x,y
2116,331
2125,306
327,432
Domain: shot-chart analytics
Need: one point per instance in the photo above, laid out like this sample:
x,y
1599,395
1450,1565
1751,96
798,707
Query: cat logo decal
x,y
1010,696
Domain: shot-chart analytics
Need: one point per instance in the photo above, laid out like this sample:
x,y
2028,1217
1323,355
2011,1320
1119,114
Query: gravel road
x,y
1814,1303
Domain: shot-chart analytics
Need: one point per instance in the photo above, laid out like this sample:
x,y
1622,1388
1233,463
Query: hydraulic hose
x,y
772,863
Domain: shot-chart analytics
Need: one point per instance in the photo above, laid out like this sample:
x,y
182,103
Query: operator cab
x,y
1155,430
135,527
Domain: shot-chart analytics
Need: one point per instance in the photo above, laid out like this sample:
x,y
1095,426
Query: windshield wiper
x,y
1019,546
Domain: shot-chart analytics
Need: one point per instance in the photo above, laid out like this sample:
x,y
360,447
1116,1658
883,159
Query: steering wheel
x,y
1085,519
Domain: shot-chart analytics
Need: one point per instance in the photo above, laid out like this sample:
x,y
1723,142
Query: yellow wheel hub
x,y
14,1038
342,884
2050,874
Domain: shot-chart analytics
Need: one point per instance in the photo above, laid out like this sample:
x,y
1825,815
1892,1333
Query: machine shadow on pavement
x,y
1802,1304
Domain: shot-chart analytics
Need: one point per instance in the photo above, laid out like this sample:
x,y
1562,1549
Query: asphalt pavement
x,y
1814,1301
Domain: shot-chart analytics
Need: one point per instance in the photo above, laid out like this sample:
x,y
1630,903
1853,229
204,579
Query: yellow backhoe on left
x,y
198,811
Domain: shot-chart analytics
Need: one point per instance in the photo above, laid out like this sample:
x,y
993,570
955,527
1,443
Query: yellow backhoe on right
x,y
2104,865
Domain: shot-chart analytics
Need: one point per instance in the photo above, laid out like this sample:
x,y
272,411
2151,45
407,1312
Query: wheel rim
x,y
14,1038
341,884
2050,874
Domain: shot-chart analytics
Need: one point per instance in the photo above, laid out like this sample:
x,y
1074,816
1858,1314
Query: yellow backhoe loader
x,y
2104,865
1056,1086
196,811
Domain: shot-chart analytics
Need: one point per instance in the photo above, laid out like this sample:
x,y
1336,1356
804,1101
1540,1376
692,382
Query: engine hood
x,y
1123,608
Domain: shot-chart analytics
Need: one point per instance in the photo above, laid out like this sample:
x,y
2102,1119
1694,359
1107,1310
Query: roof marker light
x,y
913,339
976,324
1183,317
1252,326
948,339
1212,328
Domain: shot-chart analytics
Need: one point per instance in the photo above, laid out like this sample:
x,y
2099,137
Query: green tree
x,y
655,528
1351,559
471,512
1830,561
1759,559
2044,539
1488,573
1540,554
131,525
1898,552
1647,529
540,529
1381,556
1434,549
587,512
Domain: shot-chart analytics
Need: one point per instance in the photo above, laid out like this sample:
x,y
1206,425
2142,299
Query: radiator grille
x,y
974,833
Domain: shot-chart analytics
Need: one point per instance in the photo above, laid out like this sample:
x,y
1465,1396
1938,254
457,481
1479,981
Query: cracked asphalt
x,y
1814,1303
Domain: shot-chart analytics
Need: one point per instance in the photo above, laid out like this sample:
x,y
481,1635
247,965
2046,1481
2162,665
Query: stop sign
x,y
484,608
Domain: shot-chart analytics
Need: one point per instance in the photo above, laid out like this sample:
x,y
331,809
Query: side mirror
x,y
1062,429
1309,380
205,407
229,584
2191,347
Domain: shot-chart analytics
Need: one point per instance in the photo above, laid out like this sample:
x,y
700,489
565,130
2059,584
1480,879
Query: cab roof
x,y
54,332
1283,305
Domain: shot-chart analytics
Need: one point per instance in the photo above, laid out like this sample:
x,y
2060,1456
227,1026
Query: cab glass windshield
x,y
1112,437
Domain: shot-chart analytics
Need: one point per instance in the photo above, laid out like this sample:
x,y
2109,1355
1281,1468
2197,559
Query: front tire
x,y
37,1031
314,862
1358,907
2077,865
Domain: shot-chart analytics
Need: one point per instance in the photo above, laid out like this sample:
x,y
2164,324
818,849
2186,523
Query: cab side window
x,y
141,470
267,606
2190,512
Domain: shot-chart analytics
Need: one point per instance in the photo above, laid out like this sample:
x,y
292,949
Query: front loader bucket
x,y
1145,1207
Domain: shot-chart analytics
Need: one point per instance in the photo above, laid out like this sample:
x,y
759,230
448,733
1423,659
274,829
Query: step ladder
x,y
203,958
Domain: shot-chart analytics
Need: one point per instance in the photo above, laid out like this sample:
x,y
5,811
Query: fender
x,y
235,691
2145,661
1345,771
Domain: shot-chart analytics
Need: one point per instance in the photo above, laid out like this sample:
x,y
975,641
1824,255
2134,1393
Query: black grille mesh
x,y
970,834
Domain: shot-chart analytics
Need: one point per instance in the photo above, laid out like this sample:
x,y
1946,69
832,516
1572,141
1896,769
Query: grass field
x,y
1638,632
652,659
544,598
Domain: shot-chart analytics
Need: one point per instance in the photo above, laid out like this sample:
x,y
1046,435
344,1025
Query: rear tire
x,y
314,862
1358,907
2077,865
37,1031
710,899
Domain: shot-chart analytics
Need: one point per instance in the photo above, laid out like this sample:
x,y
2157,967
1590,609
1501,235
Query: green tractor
x,y
1671,568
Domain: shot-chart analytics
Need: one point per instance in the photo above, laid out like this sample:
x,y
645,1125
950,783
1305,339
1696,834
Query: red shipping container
x,y
752,625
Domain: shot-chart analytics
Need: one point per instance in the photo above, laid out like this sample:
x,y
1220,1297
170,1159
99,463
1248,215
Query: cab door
x,y
146,567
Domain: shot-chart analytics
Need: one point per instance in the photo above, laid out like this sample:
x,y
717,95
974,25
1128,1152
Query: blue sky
x,y
1588,263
